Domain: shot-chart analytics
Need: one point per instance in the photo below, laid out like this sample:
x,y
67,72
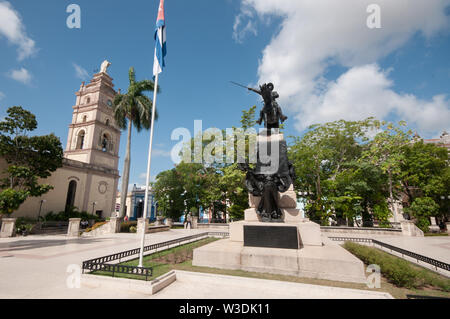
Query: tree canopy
x,y
29,159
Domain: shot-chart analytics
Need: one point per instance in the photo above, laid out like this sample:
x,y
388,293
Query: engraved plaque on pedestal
x,y
285,237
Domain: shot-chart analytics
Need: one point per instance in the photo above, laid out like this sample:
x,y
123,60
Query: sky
x,y
325,62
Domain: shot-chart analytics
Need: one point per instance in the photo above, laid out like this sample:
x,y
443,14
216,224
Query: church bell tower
x,y
94,137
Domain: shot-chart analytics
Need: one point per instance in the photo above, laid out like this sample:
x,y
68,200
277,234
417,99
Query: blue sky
x,y
317,73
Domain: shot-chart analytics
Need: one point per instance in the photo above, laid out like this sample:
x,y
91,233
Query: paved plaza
x,y
36,267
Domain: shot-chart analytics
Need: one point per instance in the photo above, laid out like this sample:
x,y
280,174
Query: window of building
x,y
106,143
84,119
71,192
80,140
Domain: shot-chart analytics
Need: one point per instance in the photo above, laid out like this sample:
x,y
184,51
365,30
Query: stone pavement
x,y
210,286
36,267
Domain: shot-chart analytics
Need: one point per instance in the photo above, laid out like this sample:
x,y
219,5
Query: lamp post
x,y
40,208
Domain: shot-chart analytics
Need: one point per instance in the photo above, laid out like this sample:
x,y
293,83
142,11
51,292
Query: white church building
x,y
89,177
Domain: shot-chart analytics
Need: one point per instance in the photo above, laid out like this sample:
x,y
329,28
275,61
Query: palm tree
x,y
132,108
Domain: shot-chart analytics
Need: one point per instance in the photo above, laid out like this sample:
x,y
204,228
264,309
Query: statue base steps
x,y
330,261
317,257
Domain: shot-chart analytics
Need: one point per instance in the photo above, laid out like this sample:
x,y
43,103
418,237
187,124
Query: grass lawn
x,y
162,262
401,273
180,258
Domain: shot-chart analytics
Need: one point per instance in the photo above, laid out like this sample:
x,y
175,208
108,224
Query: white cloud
x,y
80,72
367,91
12,27
22,75
316,35
240,33
2,95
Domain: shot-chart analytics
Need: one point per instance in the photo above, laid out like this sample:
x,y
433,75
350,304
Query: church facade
x,y
89,177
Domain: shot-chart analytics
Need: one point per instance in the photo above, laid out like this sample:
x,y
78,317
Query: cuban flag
x,y
160,37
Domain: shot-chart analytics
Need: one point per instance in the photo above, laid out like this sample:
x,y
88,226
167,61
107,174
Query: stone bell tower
x,y
94,137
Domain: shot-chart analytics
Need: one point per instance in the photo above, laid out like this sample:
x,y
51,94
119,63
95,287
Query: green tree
x,y
192,177
367,182
322,158
424,171
422,208
29,159
168,191
132,108
386,151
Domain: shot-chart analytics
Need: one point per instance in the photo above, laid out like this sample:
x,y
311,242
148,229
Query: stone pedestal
x,y
74,227
159,221
317,257
142,225
8,227
194,222
434,228
169,222
410,229
114,224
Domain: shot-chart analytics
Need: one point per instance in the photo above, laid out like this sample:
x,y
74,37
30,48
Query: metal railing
x,y
433,262
428,260
103,263
121,269
357,240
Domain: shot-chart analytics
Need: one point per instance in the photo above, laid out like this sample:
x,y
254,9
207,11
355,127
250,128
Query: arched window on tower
x,y
84,119
107,122
106,143
80,140
71,192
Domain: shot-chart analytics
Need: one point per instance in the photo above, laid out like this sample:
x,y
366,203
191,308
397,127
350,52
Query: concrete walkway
x,y
36,267
210,286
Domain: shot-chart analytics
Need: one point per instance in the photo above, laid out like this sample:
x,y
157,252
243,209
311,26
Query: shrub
x,y
133,229
125,227
398,271
24,224
64,216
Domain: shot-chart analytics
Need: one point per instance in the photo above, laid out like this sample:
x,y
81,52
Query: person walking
x,y
189,221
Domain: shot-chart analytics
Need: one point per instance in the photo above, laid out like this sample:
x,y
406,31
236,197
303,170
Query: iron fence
x,y
121,269
433,262
103,263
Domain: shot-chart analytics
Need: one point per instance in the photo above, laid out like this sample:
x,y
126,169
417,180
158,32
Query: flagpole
x,y
149,165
